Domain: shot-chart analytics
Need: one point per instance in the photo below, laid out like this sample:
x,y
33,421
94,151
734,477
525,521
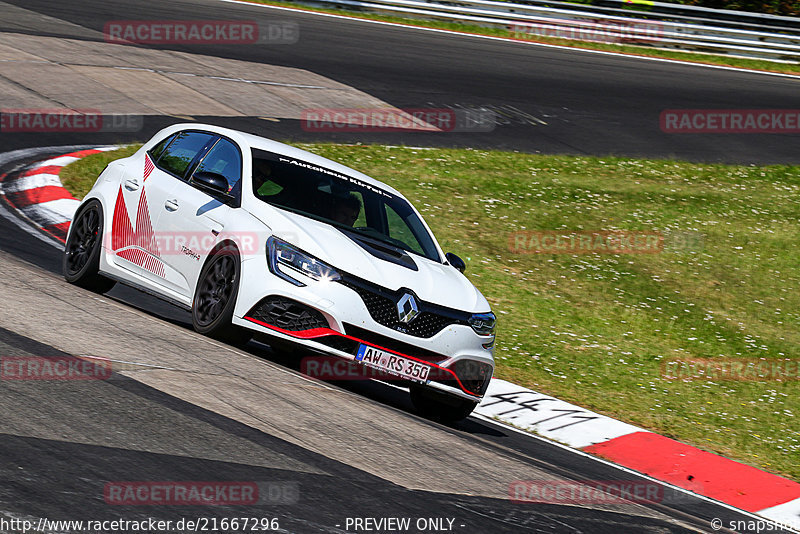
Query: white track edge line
x,y
529,43
35,232
629,470
7,157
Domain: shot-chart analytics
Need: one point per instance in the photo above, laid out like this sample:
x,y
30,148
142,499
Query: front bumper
x,y
462,377
336,317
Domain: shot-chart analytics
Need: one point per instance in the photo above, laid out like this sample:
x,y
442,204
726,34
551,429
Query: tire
x,y
81,262
215,297
439,406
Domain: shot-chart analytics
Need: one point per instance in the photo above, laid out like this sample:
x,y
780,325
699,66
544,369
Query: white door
x,y
198,217
138,239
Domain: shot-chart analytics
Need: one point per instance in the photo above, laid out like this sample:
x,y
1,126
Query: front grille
x,y
392,344
382,306
287,314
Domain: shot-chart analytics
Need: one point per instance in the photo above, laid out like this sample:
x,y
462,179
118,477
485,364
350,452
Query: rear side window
x,y
157,150
224,158
181,151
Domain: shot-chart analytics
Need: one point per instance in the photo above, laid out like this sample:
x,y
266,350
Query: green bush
x,y
773,7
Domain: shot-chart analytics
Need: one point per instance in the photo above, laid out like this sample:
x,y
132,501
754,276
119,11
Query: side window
x,y
182,150
264,182
224,158
157,150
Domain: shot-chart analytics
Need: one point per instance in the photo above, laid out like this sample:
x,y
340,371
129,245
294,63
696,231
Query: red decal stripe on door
x,y
148,167
140,245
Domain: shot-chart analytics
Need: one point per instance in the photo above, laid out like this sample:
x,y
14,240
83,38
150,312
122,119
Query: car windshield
x,y
362,210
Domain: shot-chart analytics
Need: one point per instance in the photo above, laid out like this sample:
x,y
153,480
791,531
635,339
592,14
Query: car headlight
x,y
483,323
285,260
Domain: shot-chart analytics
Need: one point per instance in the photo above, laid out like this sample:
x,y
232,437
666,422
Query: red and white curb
x,y
711,475
37,193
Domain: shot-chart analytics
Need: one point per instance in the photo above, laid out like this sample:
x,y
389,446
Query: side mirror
x,y
455,261
213,183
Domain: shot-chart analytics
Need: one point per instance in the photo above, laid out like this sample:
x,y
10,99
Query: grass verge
x,y
79,176
692,57
596,329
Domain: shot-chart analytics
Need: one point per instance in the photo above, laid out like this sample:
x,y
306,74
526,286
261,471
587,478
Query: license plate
x,y
393,363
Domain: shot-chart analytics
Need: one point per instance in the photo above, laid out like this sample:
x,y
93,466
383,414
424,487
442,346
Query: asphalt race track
x,y
591,104
180,407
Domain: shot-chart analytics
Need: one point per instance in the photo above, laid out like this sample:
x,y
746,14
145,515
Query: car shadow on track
x,y
384,393
387,394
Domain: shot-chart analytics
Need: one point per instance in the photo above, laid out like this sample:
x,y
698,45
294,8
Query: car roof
x,y
263,143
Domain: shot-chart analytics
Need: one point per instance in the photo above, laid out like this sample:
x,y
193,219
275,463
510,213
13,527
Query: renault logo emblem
x,y
407,308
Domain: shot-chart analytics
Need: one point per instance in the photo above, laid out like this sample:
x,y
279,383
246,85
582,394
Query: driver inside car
x,y
262,171
346,210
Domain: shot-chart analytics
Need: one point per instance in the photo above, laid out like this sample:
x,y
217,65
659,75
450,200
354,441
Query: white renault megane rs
x,y
257,237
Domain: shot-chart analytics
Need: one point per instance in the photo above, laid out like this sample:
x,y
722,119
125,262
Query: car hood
x,y
433,282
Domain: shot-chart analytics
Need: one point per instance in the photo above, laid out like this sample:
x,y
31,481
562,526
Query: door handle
x,y
131,185
171,205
